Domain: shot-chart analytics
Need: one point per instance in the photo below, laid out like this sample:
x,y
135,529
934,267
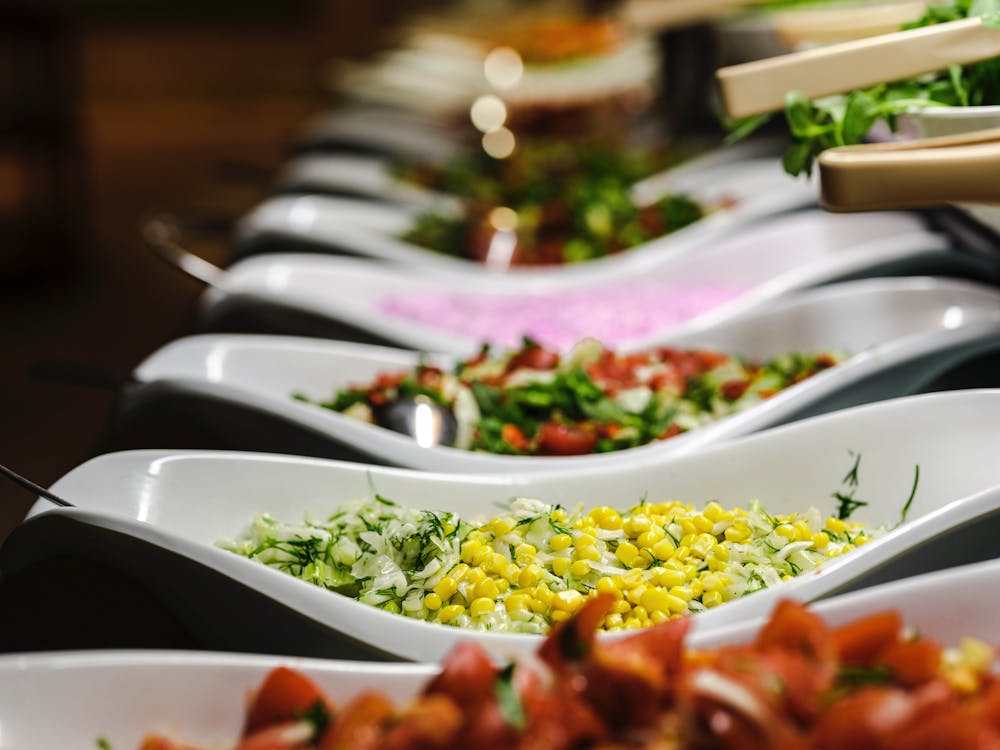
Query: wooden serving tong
x,y
761,86
933,171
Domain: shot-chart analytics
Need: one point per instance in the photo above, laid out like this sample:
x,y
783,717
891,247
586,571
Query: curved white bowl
x,y
901,333
759,188
181,503
772,258
199,696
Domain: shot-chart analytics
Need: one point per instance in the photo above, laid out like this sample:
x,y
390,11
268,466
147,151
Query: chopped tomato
x,y
670,378
863,720
293,735
433,721
533,358
859,642
285,695
912,662
467,676
387,380
672,431
562,440
359,725
514,436
733,389
793,627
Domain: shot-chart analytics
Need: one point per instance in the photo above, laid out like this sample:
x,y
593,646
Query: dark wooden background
x,y
108,110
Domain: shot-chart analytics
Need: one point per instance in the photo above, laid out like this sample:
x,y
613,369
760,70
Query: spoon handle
x,y
35,488
160,232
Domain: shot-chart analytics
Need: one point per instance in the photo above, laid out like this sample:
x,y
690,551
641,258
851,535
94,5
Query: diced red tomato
x,y
561,440
912,662
156,742
515,437
386,380
285,695
293,735
672,431
433,721
670,378
359,725
794,628
467,676
859,642
862,720
533,358
733,389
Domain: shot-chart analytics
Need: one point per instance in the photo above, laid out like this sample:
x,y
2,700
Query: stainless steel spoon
x,y
35,488
420,417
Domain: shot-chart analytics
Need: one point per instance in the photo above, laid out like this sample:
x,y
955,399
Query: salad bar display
x,y
533,143
592,400
799,683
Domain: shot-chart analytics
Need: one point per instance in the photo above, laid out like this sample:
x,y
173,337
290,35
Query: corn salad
x,y
537,564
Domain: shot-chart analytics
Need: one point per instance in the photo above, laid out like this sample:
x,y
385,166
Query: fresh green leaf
x,y
508,701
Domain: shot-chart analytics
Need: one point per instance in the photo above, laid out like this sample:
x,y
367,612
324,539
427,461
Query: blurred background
x,y
108,109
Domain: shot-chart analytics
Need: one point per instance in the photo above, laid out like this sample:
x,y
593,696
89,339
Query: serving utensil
x,y
761,86
423,419
36,489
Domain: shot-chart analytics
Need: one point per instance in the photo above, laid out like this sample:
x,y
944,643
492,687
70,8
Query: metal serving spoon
x,y
420,417
35,488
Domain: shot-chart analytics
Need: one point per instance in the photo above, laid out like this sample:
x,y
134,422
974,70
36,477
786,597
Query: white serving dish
x,y
759,188
900,334
772,258
152,510
199,697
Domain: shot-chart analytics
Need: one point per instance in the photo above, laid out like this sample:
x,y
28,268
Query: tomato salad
x,y
593,400
800,685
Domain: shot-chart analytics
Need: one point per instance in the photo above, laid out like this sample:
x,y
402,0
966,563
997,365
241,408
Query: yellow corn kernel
x,y
502,585
651,537
614,620
687,526
503,525
561,566
587,553
449,613
738,533
542,593
517,602
470,550
632,578
495,563
530,575
640,613
976,654
622,607
636,525
802,532
476,576
687,540
626,553
567,601
712,598
664,548
583,541
580,568
681,553
560,542
635,593
446,588
786,530
703,545
658,618
558,515
835,525
820,540
476,535
697,588
481,606
607,518
670,577
703,523
432,602
682,592
524,553
605,585
720,552
487,589
655,600
711,581
676,605
459,571
558,615
448,527
859,540
511,572
713,512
